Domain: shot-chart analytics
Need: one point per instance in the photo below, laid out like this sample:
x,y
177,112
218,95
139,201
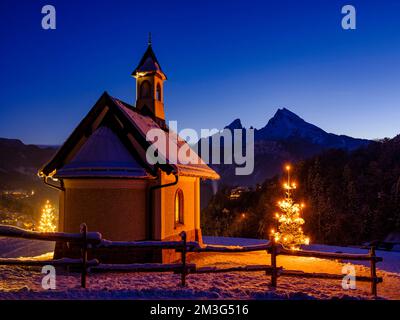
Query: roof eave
x,y
199,172
137,74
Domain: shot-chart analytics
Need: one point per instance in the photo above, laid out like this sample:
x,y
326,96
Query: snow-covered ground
x,y
390,263
25,283
15,248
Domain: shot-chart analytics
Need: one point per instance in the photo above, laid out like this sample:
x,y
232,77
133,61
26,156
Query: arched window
x,y
145,89
158,92
178,207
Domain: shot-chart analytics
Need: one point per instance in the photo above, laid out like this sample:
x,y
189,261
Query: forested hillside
x,y
350,197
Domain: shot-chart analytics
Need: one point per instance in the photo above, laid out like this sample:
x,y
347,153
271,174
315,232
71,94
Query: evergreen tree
x,y
47,221
290,232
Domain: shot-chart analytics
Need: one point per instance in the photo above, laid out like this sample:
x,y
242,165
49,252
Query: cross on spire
x,y
149,40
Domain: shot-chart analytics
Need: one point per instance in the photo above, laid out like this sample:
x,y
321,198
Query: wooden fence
x,y
83,238
94,239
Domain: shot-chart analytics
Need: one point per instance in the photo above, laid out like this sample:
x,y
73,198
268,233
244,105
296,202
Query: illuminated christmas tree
x,y
290,233
48,218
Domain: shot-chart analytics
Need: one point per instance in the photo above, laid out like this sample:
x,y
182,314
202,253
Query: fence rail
x,y
83,238
94,239
142,267
56,262
147,244
14,232
302,274
329,255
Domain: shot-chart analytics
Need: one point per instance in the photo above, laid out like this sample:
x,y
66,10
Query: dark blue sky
x,y
224,60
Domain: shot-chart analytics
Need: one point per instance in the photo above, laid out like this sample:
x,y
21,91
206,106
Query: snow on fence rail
x,y
142,267
274,250
53,262
330,255
231,249
145,244
83,238
14,232
371,257
94,239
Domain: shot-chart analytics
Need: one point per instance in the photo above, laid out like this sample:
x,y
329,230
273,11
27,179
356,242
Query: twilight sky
x,y
224,60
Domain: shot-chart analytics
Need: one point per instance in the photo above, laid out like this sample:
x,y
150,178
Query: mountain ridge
x,y
285,124
285,138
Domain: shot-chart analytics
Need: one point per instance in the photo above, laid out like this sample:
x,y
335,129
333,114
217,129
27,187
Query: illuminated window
x,y
145,90
178,207
158,92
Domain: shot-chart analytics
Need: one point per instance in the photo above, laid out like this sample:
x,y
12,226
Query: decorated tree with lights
x,y
48,218
290,232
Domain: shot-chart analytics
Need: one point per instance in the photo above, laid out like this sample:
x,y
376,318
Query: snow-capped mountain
x,y
235,124
285,138
287,125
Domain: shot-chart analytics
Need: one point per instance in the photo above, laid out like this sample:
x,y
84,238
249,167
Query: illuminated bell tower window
x,y
149,84
158,92
145,89
178,207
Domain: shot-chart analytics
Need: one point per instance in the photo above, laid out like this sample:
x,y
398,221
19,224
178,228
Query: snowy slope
x,y
15,248
390,263
25,283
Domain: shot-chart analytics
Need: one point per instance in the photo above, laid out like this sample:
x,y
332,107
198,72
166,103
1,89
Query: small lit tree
x,y
290,233
48,218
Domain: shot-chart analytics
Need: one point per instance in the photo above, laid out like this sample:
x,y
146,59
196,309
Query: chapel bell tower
x,y
149,85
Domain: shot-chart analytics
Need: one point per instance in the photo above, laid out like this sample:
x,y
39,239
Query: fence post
x,y
274,274
183,256
84,254
373,272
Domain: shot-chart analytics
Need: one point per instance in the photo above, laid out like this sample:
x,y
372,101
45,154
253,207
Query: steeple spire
x,y
149,62
149,84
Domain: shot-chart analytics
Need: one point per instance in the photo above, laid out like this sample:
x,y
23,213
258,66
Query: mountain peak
x,y
284,124
287,126
286,113
235,124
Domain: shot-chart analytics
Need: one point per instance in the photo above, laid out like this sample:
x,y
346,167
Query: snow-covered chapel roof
x,y
104,155
111,142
